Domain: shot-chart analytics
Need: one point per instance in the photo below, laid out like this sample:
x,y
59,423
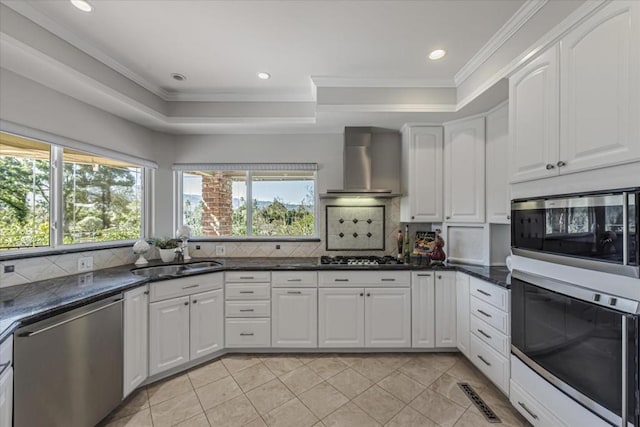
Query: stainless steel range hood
x,y
371,163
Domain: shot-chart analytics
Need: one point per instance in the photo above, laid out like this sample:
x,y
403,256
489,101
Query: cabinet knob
x,y
413,217
447,217
439,276
146,292
186,303
368,294
361,294
195,301
550,166
508,216
561,164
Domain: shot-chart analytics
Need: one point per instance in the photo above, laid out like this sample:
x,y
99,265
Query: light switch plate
x,y
85,263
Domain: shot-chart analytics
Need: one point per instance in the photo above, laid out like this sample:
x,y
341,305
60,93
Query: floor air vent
x,y
484,409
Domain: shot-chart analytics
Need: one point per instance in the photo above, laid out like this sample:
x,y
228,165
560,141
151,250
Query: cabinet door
x,y
294,317
600,83
462,312
341,317
207,323
6,398
446,309
533,119
422,166
464,186
136,336
168,334
423,310
498,193
387,317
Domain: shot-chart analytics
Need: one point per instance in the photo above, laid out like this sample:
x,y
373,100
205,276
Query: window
x,y
250,203
98,198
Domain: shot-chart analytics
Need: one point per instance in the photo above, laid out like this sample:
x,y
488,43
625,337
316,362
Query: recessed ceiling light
x,y
264,76
179,77
437,54
82,5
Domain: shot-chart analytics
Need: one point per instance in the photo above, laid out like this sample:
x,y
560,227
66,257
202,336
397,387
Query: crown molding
x,y
238,95
386,108
521,17
334,81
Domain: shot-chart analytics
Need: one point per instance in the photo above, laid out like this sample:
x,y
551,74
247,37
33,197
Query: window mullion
x,y
56,195
249,203
178,196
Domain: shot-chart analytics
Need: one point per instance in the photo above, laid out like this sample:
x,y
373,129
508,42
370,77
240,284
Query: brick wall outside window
x,y
217,211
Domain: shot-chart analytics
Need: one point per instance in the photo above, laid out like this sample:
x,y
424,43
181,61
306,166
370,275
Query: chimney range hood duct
x,y
371,163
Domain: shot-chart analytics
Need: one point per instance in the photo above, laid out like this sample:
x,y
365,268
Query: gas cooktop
x,y
358,260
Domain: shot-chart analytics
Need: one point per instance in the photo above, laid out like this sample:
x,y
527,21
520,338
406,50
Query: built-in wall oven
x,y
582,341
596,231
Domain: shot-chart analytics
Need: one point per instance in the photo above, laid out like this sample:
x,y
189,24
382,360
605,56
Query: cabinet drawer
x,y
248,332
240,291
490,314
247,276
6,352
186,286
494,295
248,309
492,364
490,335
298,279
364,278
530,408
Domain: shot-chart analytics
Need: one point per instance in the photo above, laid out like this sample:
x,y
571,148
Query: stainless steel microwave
x,y
597,231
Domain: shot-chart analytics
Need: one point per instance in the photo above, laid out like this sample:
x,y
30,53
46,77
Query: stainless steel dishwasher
x,y
68,369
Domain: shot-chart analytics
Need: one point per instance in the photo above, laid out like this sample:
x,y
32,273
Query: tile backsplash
x,y
45,267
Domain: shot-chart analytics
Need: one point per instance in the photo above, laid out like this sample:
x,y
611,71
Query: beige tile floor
x,y
314,390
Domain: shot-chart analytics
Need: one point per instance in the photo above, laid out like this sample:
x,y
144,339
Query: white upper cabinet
x,y
533,118
421,174
464,166
498,193
136,335
600,84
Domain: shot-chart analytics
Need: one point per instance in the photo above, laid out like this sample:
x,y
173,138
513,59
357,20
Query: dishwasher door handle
x,y
39,331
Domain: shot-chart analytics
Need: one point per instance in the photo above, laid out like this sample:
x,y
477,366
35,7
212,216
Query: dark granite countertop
x,y
24,304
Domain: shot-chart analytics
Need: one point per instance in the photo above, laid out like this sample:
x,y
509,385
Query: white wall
x,y
324,149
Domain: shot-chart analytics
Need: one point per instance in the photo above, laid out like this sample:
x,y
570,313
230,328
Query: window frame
x,y
56,211
250,237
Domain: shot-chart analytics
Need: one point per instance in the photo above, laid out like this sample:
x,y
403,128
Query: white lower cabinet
x,y
445,302
341,317
136,336
490,362
387,314
168,334
462,313
423,313
206,327
246,333
294,317
6,397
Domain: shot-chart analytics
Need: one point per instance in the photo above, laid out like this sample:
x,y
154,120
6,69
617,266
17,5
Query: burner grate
x,y
482,406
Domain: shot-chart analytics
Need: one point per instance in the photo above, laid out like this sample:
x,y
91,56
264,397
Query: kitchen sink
x,y
175,270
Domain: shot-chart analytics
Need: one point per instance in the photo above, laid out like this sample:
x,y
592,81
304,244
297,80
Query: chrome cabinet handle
x,y
341,280
294,280
388,280
534,416
483,292
550,166
483,313
246,334
483,359
484,333
246,310
424,275
247,277
561,164
294,292
189,287
246,292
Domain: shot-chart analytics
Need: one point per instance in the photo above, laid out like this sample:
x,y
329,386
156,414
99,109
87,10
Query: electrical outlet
x,y
8,268
277,246
197,247
85,263
220,250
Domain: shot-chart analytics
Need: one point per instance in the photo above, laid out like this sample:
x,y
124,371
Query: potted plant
x,y
167,248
